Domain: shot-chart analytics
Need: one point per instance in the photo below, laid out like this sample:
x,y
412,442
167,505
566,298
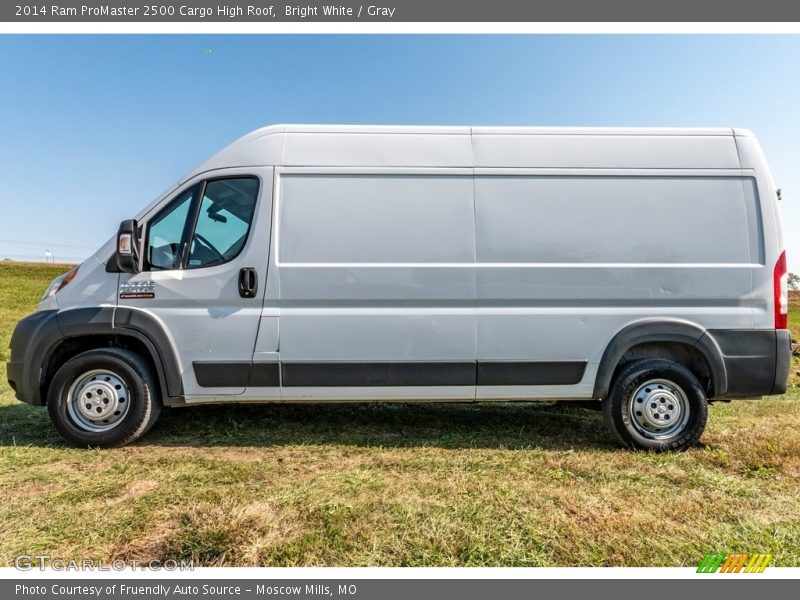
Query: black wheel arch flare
x,y
661,330
121,321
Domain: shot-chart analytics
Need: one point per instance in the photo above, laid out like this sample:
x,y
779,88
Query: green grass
x,y
425,485
794,327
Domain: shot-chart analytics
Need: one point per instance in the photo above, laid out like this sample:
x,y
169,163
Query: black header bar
x,y
400,11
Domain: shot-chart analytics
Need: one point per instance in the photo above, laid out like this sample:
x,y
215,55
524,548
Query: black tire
x,y
635,421
134,376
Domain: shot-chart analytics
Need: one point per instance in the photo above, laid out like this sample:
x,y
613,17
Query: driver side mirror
x,y
128,247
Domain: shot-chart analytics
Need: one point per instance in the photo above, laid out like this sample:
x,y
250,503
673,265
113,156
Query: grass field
x,y
520,485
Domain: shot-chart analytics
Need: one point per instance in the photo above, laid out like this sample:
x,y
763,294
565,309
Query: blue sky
x,y
94,127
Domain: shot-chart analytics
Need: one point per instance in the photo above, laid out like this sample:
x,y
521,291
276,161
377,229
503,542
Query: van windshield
x,y
166,231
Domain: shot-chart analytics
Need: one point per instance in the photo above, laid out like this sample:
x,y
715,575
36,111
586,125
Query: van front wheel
x,y
104,398
656,404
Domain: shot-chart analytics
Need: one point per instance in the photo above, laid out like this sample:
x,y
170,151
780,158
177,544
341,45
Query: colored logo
x,y
737,562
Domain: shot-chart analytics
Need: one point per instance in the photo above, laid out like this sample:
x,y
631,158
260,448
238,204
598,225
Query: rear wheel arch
x,y
680,341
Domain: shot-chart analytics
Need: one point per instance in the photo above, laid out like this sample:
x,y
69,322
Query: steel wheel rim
x,y
98,400
659,409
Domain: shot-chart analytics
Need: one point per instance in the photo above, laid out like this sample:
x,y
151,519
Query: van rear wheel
x,y
656,404
104,398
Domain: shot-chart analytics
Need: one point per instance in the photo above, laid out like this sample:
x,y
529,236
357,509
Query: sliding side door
x,y
376,278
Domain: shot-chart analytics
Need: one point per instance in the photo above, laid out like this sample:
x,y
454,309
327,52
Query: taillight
x,y
780,281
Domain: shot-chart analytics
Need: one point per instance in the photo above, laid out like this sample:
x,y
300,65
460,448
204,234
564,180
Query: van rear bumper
x,y
31,339
757,362
783,360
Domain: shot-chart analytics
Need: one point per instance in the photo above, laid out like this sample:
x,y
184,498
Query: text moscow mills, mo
x,y
288,11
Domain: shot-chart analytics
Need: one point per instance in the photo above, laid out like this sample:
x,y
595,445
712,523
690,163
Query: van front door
x,y
198,250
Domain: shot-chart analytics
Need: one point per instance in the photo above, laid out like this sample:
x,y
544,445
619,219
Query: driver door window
x,y
223,221
216,217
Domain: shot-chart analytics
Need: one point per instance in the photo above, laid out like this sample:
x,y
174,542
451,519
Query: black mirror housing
x,y
128,247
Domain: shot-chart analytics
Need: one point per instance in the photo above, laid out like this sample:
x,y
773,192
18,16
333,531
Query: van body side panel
x,y
752,159
265,377
640,219
373,290
564,262
94,286
434,148
493,148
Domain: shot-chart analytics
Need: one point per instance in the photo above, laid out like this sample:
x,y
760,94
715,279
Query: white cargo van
x,y
643,268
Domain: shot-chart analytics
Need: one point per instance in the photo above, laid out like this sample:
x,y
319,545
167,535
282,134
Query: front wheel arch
x,y
71,347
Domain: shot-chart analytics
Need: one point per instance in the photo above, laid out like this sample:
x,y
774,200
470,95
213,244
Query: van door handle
x,y
248,282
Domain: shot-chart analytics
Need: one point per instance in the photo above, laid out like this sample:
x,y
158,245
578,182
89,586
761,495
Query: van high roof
x,y
481,147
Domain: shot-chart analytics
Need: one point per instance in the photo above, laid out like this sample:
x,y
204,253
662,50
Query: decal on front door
x,y
136,289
